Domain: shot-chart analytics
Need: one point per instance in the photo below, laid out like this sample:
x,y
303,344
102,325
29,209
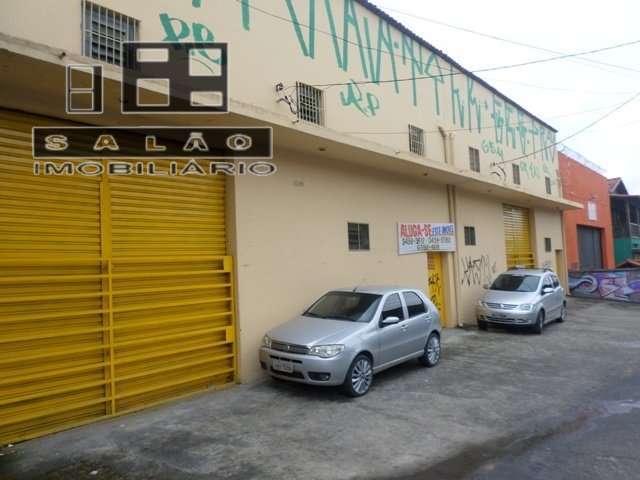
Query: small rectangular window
x,y
516,173
310,103
592,211
416,140
358,236
547,184
104,30
469,235
474,159
547,244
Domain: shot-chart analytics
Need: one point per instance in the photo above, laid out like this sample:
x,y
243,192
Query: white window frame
x,y
310,104
416,140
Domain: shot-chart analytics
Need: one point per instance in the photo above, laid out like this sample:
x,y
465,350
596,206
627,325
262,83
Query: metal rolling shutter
x,y
517,239
115,293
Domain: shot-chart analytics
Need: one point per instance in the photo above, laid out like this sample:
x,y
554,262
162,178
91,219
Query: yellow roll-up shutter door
x,y
517,237
115,292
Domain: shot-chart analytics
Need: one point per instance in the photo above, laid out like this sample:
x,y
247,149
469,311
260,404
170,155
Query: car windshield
x,y
516,283
351,306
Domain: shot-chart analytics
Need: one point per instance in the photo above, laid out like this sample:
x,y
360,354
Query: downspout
x,y
447,144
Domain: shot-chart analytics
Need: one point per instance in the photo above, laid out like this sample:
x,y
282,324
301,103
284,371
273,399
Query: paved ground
x,y
500,405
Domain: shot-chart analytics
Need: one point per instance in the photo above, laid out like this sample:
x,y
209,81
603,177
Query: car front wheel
x,y
359,377
539,325
432,351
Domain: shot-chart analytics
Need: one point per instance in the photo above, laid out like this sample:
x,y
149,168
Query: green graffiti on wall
x,y
366,103
382,55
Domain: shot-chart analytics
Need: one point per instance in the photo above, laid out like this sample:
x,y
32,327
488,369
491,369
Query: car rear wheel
x,y
563,313
539,325
432,351
359,377
482,325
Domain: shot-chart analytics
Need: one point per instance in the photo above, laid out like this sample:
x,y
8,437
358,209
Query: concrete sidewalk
x,y
488,386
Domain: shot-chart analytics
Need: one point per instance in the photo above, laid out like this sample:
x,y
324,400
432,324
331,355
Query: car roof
x,y
375,289
528,271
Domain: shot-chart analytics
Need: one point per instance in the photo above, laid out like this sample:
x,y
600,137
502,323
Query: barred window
x,y
469,235
516,173
547,184
547,244
104,30
416,140
358,234
474,159
310,104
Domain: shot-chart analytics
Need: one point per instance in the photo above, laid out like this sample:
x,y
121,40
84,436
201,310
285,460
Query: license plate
x,y
282,366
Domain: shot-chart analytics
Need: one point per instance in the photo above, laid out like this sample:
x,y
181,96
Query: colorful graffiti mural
x,y
622,285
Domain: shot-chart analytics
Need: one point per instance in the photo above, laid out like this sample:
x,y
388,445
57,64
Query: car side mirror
x,y
547,290
389,321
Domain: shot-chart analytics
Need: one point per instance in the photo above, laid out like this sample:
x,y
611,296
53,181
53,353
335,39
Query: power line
x,y
447,130
558,89
506,40
489,69
451,72
574,134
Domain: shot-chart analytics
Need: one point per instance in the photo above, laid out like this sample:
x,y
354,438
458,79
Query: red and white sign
x,y
426,237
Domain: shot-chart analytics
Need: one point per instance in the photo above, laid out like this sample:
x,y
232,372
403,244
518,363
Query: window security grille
x,y
469,235
358,234
104,30
516,173
310,104
474,159
416,140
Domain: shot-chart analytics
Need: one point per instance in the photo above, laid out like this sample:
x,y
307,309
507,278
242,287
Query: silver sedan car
x,y
523,297
348,335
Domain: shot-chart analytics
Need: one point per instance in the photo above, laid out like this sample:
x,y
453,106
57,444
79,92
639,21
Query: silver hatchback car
x,y
348,335
523,297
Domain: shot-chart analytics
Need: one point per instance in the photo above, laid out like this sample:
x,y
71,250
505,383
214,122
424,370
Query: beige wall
x,y
479,264
288,232
291,231
547,223
265,51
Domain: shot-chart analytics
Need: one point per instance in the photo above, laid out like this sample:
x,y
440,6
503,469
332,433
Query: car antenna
x,y
355,289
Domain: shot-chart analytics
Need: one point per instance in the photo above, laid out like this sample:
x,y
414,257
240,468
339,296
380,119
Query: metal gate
x,y
516,235
590,248
115,293
436,283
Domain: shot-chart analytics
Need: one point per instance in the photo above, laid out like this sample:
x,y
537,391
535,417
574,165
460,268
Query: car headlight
x,y
326,351
481,303
525,307
266,341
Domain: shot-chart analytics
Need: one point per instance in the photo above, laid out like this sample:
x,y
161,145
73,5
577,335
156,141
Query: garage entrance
x,y
517,237
116,293
590,248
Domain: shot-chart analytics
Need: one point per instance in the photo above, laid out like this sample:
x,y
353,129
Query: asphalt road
x,y
501,405
599,440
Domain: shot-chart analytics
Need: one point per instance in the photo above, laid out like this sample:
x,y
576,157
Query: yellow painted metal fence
x,y
115,293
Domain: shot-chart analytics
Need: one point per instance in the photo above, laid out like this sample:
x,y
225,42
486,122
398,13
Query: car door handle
x,y
404,327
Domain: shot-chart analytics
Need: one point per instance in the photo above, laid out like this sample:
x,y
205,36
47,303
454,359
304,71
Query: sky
x,y
556,90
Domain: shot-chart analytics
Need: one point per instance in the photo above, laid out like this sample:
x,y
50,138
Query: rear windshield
x,y
351,306
516,283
